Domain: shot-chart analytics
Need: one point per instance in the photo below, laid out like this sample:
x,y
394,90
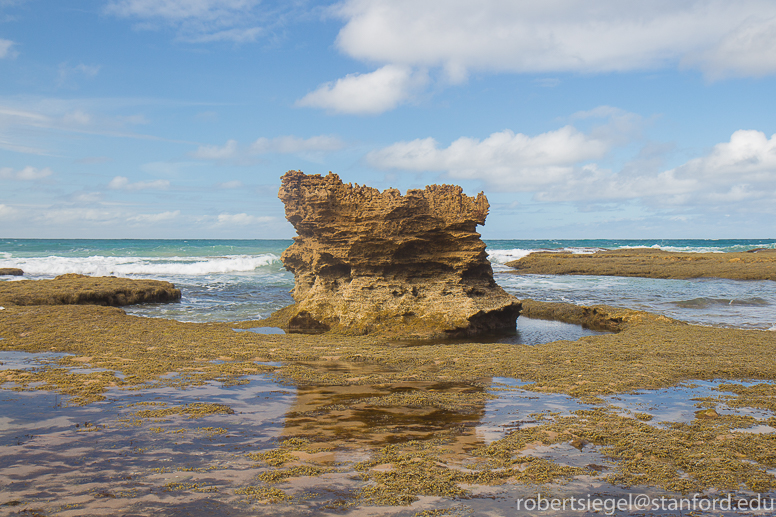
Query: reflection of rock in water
x,y
374,415
366,261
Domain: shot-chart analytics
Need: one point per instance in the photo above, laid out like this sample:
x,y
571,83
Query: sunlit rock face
x,y
367,261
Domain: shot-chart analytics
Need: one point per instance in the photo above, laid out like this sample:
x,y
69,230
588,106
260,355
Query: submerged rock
x,y
367,261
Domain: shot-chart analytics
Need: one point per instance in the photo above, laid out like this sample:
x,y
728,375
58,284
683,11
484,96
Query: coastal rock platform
x,y
74,289
757,264
11,271
369,262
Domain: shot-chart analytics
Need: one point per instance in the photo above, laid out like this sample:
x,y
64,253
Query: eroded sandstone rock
x,y
367,261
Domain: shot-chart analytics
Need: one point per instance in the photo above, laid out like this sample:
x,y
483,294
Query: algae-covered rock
x,y
758,264
367,261
73,289
11,271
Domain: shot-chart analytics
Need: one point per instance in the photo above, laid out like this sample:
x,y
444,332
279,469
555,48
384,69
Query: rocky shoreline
x,y
651,263
400,421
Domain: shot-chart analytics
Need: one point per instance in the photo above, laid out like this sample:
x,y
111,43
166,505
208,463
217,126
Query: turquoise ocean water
x,y
232,280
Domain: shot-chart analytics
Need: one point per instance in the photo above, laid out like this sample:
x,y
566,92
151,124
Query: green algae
x,y
262,494
194,410
276,476
683,457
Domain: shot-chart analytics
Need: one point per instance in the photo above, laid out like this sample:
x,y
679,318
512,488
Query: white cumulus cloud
x,y
564,165
562,35
371,93
505,159
749,157
748,50
123,183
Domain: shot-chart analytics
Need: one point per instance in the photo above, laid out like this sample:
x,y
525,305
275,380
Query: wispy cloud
x,y
292,144
7,212
154,218
6,49
215,152
242,219
26,174
51,116
93,160
202,21
289,144
230,184
67,74
123,183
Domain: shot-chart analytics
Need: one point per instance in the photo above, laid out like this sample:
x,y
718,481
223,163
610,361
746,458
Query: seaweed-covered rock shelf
x,y
73,289
758,264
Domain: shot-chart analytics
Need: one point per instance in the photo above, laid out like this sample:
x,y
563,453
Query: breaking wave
x,y
504,256
129,266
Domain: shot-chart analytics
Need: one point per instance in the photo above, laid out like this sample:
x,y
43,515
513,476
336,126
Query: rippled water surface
x,y
105,459
707,301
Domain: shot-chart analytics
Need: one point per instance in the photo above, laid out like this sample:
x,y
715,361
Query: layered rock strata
x,y
367,261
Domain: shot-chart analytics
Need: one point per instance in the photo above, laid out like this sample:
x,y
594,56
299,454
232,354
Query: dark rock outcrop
x,y
73,289
11,271
367,261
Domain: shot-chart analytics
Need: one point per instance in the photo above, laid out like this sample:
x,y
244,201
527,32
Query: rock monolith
x,y
408,265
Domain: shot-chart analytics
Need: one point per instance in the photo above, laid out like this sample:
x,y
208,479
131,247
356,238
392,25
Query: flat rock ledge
x,y
371,262
11,271
74,289
758,264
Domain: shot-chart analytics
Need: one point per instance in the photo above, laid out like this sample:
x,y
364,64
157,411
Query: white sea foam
x,y
682,249
504,256
128,266
700,249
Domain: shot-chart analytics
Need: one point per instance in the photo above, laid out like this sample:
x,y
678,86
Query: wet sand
x,y
651,263
157,417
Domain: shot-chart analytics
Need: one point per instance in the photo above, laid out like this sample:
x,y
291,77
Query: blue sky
x,y
579,119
